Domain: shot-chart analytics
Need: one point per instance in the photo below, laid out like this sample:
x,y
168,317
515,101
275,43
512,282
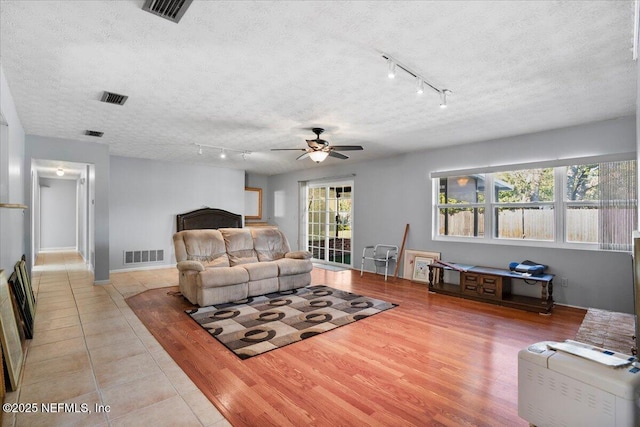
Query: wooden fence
x,y
582,224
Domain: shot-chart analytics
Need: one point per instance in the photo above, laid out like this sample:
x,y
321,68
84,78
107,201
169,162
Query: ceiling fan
x,y
319,149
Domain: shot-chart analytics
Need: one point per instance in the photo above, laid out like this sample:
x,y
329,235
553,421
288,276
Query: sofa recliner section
x,y
230,264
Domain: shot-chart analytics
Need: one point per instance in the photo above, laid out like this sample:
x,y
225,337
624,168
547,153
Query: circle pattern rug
x,y
263,323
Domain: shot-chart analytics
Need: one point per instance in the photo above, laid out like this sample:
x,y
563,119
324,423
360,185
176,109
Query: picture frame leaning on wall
x,y
416,265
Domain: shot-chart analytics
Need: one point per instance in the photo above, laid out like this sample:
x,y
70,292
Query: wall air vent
x,y
168,9
135,257
94,133
113,98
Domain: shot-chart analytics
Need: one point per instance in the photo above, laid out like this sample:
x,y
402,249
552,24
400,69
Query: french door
x,y
329,221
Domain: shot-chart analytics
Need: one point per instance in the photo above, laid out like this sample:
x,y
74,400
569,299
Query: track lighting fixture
x,y
223,150
60,172
420,81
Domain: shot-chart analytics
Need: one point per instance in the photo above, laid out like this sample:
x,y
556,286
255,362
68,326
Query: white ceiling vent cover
x,y
113,98
168,9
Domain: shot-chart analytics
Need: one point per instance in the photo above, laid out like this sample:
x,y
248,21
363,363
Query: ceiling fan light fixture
x,y
318,156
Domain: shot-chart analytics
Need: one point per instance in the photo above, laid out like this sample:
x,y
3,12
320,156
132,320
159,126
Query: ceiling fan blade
x,y
347,147
303,156
288,149
338,155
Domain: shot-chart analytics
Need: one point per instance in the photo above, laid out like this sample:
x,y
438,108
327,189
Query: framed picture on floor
x,y
9,334
418,272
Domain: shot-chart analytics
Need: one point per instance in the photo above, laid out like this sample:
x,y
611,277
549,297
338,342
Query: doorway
x,y
330,222
62,196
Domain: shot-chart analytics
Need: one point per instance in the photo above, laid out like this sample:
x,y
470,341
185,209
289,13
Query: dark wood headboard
x,y
208,218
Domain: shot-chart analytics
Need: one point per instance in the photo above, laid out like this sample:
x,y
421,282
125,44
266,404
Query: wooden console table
x,y
491,285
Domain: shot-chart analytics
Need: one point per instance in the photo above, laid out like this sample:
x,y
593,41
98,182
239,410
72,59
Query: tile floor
x,y
90,348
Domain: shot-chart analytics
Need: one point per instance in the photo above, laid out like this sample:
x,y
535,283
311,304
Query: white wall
x,y
82,192
146,195
58,214
390,193
12,243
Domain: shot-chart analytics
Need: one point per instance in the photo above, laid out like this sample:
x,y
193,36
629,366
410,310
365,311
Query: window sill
x,y
523,243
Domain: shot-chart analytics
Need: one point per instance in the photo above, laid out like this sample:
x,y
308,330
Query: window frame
x,y
560,204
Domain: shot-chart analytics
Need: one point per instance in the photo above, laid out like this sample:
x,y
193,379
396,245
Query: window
x,y
582,202
589,205
461,207
523,206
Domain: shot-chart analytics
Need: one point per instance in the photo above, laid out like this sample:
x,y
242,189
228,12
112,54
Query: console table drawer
x,y
482,285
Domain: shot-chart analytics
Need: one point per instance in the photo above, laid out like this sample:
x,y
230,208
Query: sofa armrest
x,y
298,255
190,265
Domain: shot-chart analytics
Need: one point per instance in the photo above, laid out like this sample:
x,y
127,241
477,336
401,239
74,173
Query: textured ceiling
x,y
257,75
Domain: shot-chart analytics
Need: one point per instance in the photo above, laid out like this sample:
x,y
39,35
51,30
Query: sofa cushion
x,y
222,276
288,266
269,243
239,245
206,246
261,270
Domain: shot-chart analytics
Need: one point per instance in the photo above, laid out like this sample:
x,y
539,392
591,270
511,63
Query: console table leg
x,y
544,292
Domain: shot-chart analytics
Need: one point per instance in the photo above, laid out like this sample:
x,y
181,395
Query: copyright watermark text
x,y
54,407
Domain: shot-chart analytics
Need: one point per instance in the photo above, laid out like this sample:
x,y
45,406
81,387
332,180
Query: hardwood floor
x,y
433,360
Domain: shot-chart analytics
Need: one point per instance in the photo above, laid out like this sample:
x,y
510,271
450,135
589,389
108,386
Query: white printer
x,y
574,384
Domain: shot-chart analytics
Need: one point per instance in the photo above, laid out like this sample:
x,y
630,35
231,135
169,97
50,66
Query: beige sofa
x,y
230,264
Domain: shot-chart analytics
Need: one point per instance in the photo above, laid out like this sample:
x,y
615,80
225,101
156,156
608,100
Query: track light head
x,y
200,150
419,86
443,104
392,69
223,155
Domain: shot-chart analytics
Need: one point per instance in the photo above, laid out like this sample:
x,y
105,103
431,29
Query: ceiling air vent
x,y
94,133
113,98
168,9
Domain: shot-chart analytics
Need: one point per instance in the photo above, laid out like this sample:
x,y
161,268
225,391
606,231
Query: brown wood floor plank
x,y
433,360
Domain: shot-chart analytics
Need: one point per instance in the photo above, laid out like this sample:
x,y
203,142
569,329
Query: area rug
x,y
608,329
260,324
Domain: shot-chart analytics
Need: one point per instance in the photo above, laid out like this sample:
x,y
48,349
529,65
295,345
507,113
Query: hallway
x,y
89,348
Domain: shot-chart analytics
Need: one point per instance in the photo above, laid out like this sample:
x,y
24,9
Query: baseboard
x,y
571,306
146,267
48,250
